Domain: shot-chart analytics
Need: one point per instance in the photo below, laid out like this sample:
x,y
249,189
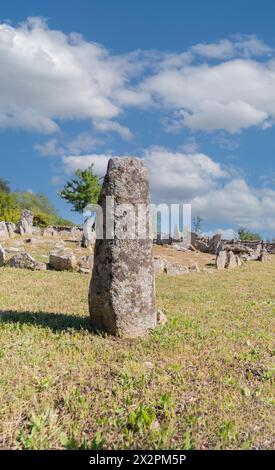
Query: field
x,y
204,381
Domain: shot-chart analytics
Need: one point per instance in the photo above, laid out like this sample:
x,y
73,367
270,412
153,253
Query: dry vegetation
x,y
203,381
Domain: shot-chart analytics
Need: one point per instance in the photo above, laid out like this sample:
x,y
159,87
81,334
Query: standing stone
x,y
122,289
231,260
4,234
26,222
88,237
11,227
214,244
2,256
263,256
221,259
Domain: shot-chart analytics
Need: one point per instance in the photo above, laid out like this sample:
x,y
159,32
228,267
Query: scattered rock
x,y
2,256
13,249
22,260
84,271
89,234
263,257
62,260
4,234
39,266
221,259
214,244
231,260
175,269
194,268
87,263
11,227
202,246
161,318
159,264
26,222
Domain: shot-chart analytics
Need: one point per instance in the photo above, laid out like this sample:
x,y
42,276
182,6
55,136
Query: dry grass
x,y
204,381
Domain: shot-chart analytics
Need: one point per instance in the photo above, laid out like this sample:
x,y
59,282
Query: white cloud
x,y
47,77
218,195
83,142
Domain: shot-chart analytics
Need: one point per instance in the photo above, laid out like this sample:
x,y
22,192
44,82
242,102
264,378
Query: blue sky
x,y
187,86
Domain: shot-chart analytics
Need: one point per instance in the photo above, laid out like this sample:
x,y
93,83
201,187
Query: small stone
x,y
221,260
149,365
161,318
4,234
194,268
39,266
63,260
2,256
22,260
175,269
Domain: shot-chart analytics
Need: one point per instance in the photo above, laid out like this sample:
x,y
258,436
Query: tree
x,y
4,185
197,224
9,209
36,202
82,190
245,235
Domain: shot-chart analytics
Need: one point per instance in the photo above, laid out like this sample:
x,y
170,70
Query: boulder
x,y
194,268
202,246
26,222
22,260
214,244
263,257
62,260
231,260
11,228
4,234
2,256
122,289
221,259
89,235
87,263
174,269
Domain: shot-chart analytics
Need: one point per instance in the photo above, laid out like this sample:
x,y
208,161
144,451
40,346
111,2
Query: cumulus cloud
x,y
219,195
83,142
47,77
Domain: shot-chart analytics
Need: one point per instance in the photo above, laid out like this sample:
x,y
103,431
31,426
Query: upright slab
x,y
122,289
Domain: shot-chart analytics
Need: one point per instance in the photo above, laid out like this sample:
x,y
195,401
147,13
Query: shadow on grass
x,y
55,321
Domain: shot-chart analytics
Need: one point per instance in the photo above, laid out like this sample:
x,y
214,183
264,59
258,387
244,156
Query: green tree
x,y
82,190
245,235
197,224
9,209
36,202
4,185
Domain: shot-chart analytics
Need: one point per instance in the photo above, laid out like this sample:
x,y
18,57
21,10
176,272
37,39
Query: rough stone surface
x,y
202,246
194,268
175,269
159,264
231,260
87,263
122,289
221,259
4,234
22,260
2,256
26,222
62,260
89,235
161,318
263,257
214,244
238,261
11,228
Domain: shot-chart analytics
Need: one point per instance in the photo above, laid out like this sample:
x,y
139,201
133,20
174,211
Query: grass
x,y
204,381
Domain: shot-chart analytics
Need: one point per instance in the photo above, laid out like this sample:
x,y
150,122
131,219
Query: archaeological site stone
x,y
62,260
194,268
214,244
88,238
122,289
4,234
221,259
11,227
231,260
174,269
26,222
2,256
161,318
22,260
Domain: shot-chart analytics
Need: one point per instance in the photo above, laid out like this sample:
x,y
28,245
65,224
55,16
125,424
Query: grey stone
x,y
238,261
2,256
11,227
231,260
122,289
214,244
22,260
39,266
202,246
161,318
263,257
159,264
89,235
4,234
87,262
194,268
62,260
26,222
174,269
221,259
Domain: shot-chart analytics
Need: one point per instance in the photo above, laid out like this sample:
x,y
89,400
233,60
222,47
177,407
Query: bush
x,y
9,209
246,235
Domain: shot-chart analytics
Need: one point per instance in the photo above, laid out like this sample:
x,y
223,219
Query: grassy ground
x,y
204,381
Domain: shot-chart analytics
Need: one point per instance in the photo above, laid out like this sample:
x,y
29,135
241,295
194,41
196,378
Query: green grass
x,y
204,381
